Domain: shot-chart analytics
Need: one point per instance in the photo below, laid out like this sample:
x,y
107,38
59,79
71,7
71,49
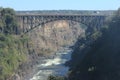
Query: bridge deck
x,y
59,15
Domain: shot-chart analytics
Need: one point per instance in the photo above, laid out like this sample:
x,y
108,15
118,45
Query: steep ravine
x,y
46,40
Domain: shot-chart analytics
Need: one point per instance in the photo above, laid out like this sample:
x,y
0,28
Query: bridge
x,y
31,20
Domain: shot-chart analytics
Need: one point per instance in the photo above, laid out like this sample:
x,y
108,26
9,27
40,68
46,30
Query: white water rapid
x,y
53,66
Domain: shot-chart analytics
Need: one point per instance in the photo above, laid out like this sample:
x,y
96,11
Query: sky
x,y
61,4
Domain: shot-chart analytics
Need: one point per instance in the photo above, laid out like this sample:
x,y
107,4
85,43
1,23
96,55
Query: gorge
x,y
48,40
51,40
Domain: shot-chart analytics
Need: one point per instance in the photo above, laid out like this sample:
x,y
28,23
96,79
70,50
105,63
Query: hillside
x,y
100,60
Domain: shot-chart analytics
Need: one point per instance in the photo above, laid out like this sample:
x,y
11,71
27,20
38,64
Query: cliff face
x,y
45,40
51,36
101,60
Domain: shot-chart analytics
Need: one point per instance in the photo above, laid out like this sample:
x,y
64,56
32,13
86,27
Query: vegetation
x,y
12,51
56,78
11,55
96,57
99,60
8,23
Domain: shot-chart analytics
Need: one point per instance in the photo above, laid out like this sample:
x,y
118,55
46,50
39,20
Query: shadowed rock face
x,y
51,36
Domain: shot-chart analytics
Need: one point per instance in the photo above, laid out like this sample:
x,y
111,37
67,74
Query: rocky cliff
x,y
50,37
45,40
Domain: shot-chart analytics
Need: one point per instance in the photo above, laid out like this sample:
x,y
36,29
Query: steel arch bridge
x,y
27,22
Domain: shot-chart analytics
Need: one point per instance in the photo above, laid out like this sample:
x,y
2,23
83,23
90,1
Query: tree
x,y
8,22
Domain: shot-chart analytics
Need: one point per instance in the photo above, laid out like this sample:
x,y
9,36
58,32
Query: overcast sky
x,y
61,4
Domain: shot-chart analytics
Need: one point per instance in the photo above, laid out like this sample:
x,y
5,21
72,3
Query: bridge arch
x,y
29,22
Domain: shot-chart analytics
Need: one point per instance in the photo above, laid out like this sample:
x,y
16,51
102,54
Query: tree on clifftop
x,y
8,24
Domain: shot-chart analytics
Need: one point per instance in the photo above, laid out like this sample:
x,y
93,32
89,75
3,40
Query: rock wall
x,y
45,40
52,36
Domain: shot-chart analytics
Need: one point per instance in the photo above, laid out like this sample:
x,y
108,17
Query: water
x,y
53,66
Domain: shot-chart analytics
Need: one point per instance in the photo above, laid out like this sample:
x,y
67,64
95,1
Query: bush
x,y
55,78
11,55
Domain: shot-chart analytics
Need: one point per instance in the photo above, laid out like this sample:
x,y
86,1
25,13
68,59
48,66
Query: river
x,y
53,65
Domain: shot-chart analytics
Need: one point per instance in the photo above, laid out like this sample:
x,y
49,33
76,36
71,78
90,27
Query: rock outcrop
x,y
50,37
